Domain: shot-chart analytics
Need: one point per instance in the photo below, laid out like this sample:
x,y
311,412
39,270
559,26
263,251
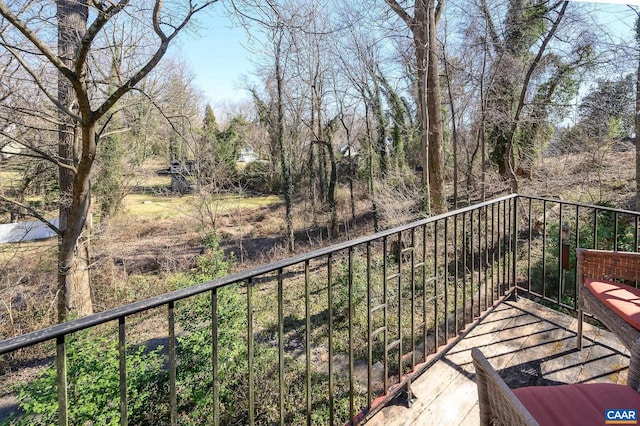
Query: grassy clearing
x,y
150,206
10,178
32,249
153,181
232,202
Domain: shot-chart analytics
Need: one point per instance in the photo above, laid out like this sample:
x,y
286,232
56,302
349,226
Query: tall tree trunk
x,y
284,157
331,190
327,136
423,29
370,174
381,127
323,182
422,59
313,192
515,121
74,291
454,131
434,103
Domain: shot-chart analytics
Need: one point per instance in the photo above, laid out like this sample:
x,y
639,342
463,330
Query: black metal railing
x,y
328,337
549,233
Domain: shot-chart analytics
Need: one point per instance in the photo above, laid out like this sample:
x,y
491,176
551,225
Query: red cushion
x,y
622,299
582,404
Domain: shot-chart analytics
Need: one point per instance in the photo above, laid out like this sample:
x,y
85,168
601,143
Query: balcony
x,y
529,344
348,334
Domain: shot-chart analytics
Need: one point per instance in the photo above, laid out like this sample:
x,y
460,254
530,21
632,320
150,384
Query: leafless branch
x,y
32,212
41,154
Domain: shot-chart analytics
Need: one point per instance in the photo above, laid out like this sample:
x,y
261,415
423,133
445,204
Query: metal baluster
x,y
544,249
351,309
369,330
464,265
122,353
215,381
529,249
330,329
473,265
455,271
384,314
173,397
413,302
307,314
435,286
281,346
446,279
61,380
250,352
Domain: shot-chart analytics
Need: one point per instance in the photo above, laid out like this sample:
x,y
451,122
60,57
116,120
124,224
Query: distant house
x,y
186,168
247,155
349,151
181,172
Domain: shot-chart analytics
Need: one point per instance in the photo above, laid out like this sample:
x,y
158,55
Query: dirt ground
x,y
605,176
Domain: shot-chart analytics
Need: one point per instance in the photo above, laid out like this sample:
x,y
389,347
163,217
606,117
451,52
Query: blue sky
x,y
220,62
217,57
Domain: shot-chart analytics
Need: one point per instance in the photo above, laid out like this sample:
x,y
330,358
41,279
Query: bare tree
x,y
83,99
528,75
426,15
296,64
270,17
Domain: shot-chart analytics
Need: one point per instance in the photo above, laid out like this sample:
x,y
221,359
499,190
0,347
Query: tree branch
x,y
85,44
41,154
153,61
393,4
37,81
491,27
32,212
34,39
536,61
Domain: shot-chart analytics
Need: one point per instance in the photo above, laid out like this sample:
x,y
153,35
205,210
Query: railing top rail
x,y
574,203
76,325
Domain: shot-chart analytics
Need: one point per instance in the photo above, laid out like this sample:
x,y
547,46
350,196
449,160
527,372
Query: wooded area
x,y
391,100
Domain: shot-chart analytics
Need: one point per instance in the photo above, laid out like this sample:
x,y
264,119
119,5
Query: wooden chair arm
x,y
608,265
497,403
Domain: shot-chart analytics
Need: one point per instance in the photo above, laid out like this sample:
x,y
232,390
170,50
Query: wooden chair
x,y
606,288
583,404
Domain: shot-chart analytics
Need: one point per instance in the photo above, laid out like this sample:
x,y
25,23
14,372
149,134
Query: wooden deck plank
x,y
528,344
456,399
429,386
472,418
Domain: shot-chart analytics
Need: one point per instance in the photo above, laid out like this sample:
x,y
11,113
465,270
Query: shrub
x,y
93,385
359,288
256,178
93,364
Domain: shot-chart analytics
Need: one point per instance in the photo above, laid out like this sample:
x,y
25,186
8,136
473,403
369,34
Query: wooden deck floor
x,y
527,344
